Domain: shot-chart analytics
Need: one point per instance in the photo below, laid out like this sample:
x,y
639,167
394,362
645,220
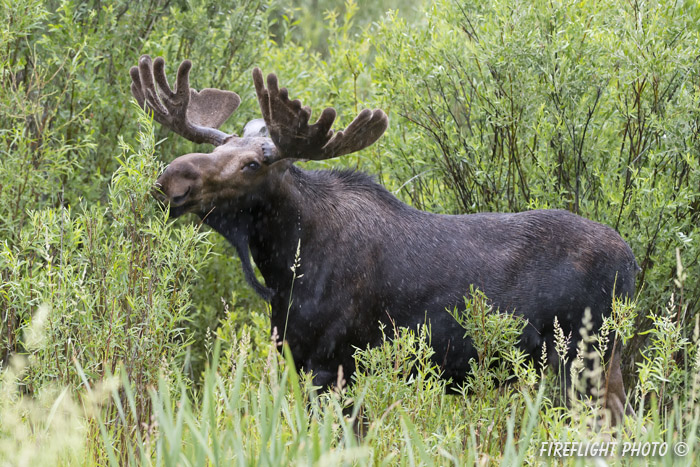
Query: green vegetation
x,y
125,337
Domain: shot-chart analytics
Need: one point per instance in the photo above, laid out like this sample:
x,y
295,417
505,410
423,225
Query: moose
x,y
339,254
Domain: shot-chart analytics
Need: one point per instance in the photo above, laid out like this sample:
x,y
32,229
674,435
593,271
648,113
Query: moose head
x,y
238,166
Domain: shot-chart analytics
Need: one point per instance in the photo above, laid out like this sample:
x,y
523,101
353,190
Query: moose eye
x,y
251,166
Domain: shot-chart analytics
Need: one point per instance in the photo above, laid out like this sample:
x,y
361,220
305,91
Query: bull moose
x,y
366,257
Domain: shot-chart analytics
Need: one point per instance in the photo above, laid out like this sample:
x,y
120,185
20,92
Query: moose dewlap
x,y
364,256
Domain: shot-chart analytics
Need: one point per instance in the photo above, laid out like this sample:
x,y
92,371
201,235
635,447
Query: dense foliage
x,y
127,337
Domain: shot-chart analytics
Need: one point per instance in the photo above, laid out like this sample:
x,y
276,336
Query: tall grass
x,y
255,409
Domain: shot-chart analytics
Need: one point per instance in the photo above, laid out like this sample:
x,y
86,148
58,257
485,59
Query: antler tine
x,y
194,115
288,124
363,131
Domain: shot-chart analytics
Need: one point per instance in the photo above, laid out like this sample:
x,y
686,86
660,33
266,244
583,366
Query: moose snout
x,y
157,193
177,184
173,194
177,200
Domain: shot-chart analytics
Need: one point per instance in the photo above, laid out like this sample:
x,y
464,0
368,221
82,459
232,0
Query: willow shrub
x,y
114,281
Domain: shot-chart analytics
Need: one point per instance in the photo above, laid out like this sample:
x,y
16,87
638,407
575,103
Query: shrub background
x,y
590,106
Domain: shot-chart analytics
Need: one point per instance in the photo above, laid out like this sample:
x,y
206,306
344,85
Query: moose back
x,y
364,257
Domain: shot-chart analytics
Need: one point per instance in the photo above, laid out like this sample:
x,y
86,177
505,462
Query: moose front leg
x,y
328,375
324,371
325,378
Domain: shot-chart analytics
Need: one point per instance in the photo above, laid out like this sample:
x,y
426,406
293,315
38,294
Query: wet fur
x,y
367,258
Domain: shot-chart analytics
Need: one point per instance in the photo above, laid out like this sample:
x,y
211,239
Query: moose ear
x,y
211,107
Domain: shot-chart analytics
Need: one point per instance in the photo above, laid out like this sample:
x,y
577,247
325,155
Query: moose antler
x,y
194,115
288,124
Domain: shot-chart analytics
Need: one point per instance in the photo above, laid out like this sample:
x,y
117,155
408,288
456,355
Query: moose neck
x,y
268,227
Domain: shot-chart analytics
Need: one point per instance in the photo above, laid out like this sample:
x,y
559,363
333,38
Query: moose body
x,y
339,254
